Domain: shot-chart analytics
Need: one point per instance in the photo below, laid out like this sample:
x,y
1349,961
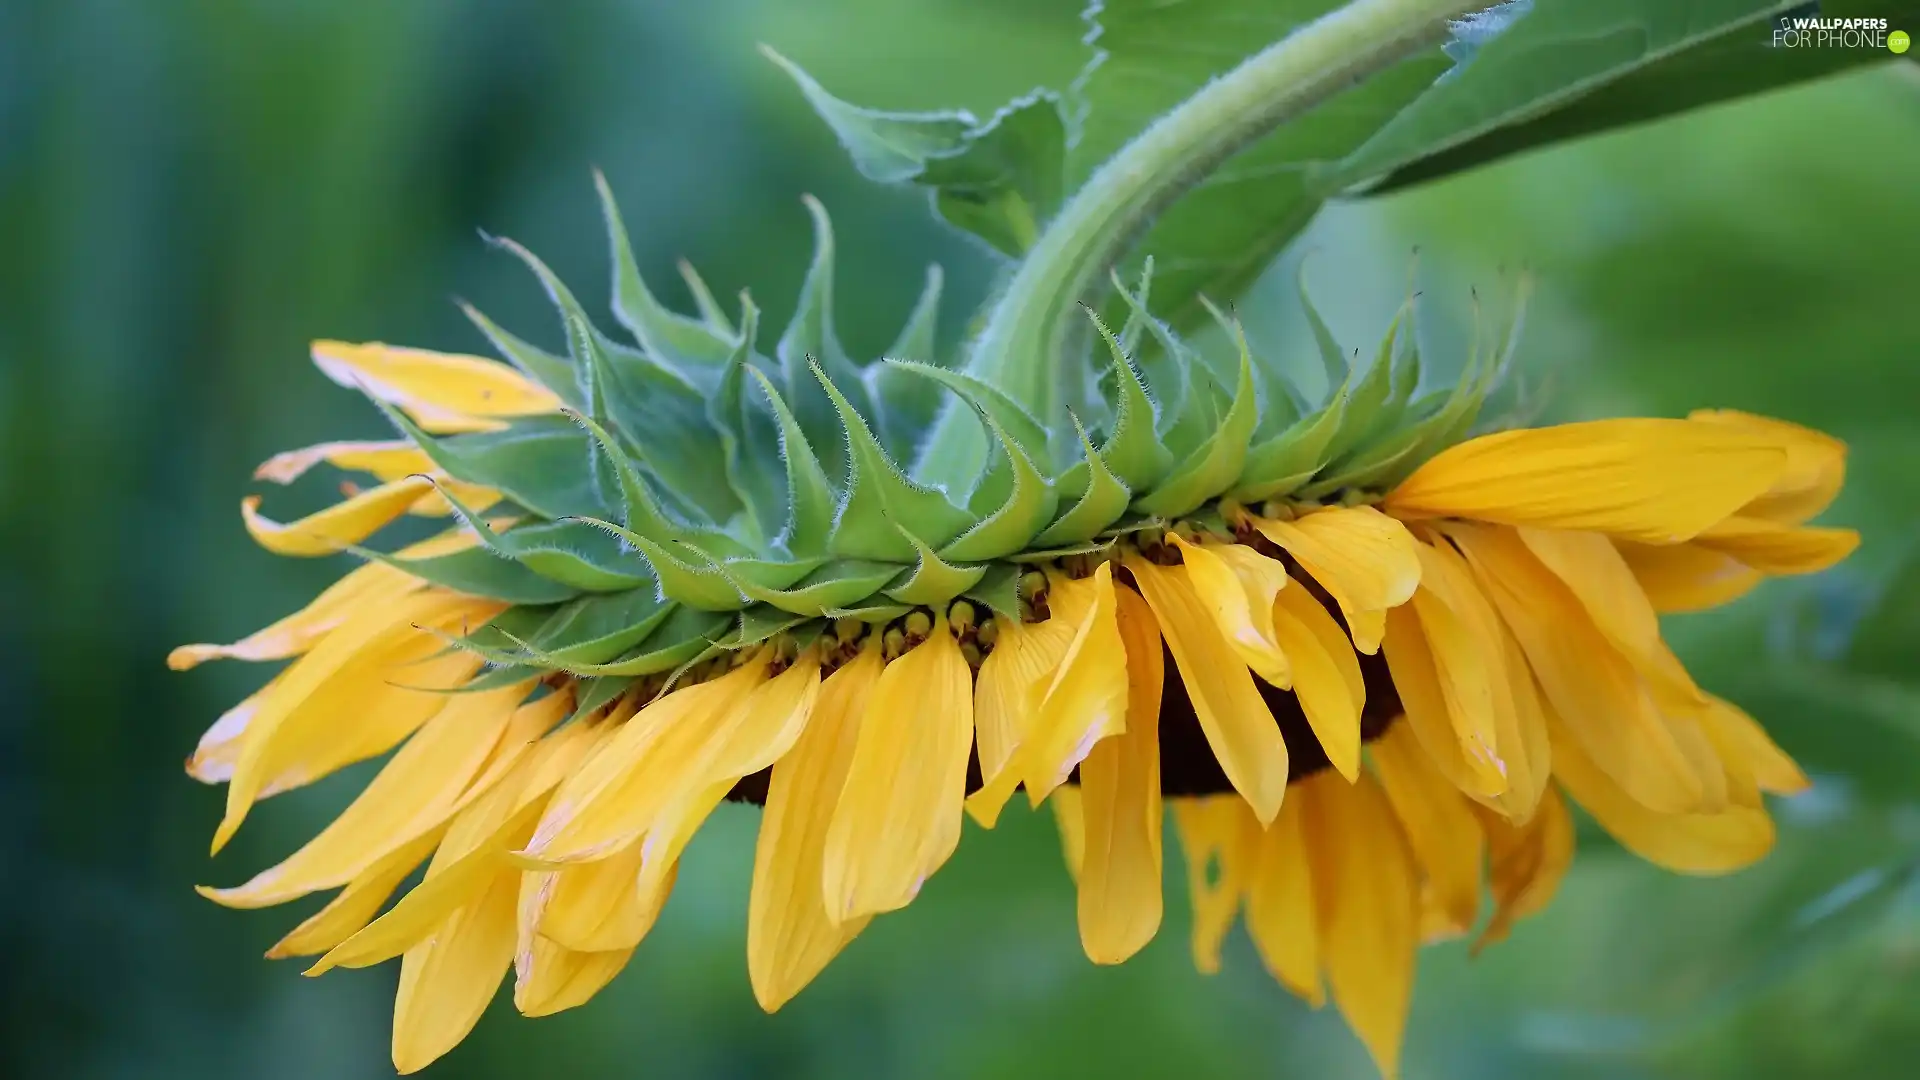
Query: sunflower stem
x,y
1022,344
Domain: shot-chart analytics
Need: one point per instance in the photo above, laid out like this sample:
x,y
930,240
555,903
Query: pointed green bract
x,y
666,336
877,490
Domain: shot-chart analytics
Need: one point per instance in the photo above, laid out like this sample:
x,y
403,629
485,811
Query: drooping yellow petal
x,y
447,980
1773,548
1586,681
1238,725
599,906
412,793
1326,676
1367,562
609,803
790,936
356,905
1688,843
1004,701
1084,702
551,978
1525,865
1525,746
1220,839
1242,611
1816,465
389,459
218,753
1687,577
1439,823
349,521
442,392
1368,909
1656,481
1120,904
1280,905
1070,821
1739,734
1468,663
898,819
1416,677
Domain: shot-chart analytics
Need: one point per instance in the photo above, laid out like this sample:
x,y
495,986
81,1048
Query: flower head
x,y
1364,658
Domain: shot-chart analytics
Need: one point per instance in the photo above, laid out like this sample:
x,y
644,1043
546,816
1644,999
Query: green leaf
x,y
667,337
1215,466
999,180
878,491
1105,498
1883,641
1571,68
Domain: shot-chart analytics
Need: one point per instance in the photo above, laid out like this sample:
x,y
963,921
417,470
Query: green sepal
x,y
709,308
1133,453
1102,502
595,693
752,475
904,405
1040,557
1134,330
810,501
644,514
999,589
874,614
757,623
1279,404
993,404
877,490
667,336
1184,418
1029,506
597,628
1281,464
1215,466
561,550
499,677
519,621
835,585
1332,360
1369,396
477,572
685,634
770,573
809,342
553,372
932,580
689,576
543,463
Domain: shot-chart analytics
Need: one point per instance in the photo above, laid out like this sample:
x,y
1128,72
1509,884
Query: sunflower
x,y
1365,659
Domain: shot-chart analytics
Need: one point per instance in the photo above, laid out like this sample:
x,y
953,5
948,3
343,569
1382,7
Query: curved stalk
x,y
1021,346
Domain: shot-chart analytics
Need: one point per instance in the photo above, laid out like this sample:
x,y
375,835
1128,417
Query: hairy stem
x,y
1022,346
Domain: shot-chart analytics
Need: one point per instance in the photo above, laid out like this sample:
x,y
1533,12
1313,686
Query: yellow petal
x,y
1004,702
412,793
1368,909
598,906
1326,676
356,905
550,978
327,532
1439,823
1772,548
1084,702
1816,465
447,980
608,804
294,735
1238,725
443,393
1070,820
1525,865
1738,733
1220,839
218,753
1585,680
1240,598
390,459
1657,481
1367,562
1468,663
1417,680
1526,748
899,815
1280,906
1689,843
790,936
1687,577
1120,903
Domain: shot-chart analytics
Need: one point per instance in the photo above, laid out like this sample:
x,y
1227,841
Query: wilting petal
x,y
1084,702
443,393
390,459
447,980
1590,685
1439,822
1772,548
599,906
1468,662
899,815
1240,595
1525,865
1238,725
356,905
1004,700
550,978
1416,677
1816,465
1326,676
1736,733
1687,577
1689,843
1220,839
412,793
1369,909
790,936
1367,562
1280,906
328,531
218,753
1656,481
1120,902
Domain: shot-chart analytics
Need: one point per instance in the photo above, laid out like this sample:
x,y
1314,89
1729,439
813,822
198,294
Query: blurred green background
x,y
191,191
